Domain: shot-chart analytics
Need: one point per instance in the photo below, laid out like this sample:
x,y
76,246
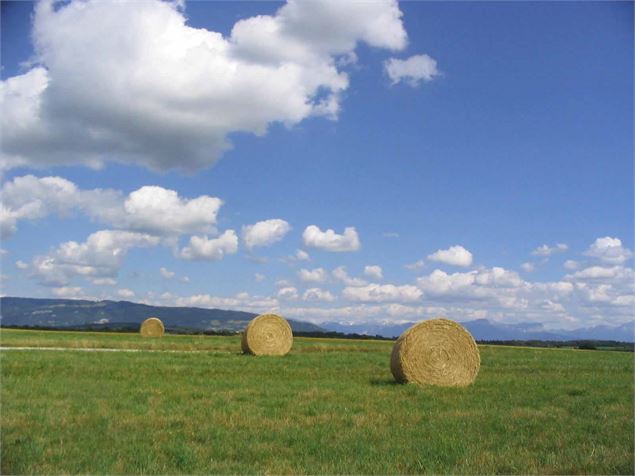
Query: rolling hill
x,y
74,313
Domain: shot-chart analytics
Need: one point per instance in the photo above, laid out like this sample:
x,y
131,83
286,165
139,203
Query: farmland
x,y
330,406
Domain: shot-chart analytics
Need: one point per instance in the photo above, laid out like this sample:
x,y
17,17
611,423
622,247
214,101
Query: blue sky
x,y
480,153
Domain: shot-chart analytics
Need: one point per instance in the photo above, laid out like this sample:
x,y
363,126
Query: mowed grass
x,y
329,407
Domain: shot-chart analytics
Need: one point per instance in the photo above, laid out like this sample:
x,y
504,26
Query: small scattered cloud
x,y
242,301
283,283
546,250
382,293
265,233
69,292
205,249
166,273
341,275
125,293
302,255
317,294
288,293
416,266
330,241
259,277
104,282
413,70
317,275
21,264
609,250
528,267
374,272
455,256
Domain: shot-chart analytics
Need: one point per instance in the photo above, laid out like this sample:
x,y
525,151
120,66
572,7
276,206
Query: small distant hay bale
x,y
267,334
152,327
436,352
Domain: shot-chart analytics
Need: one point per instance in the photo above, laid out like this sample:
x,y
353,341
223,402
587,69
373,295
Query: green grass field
x,y
330,406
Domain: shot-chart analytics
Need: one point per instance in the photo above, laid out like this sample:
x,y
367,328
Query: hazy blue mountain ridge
x,y
73,313
483,329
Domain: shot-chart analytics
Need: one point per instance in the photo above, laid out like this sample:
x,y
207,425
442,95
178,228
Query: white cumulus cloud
x,y
302,255
454,255
330,241
215,249
528,267
100,256
609,250
412,70
150,209
265,233
161,211
342,275
288,293
382,293
125,293
373,271
317,275
68,292
317,294
133,82
546,250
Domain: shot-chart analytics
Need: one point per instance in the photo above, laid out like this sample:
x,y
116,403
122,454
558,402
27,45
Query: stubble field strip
x,y
313,411
229,344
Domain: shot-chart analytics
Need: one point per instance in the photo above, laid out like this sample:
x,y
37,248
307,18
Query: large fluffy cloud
x,y
265,233
329,240
149,209
30,198
158,210
100,256
131,81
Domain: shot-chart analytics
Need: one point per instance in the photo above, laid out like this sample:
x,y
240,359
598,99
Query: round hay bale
x,y
152,327
436,352
267,334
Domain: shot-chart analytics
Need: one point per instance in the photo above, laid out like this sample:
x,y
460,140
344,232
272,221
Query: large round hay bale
x,y
267,334
436,352
152,327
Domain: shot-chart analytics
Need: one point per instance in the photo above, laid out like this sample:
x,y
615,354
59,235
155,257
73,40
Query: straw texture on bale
x,y
436,352
152,327
267,334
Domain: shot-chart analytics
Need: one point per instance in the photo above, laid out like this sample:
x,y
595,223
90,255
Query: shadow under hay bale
x,y
436,352
152,327
267,334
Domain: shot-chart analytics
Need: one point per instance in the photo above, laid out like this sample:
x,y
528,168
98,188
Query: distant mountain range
x,y
483,329
72,313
